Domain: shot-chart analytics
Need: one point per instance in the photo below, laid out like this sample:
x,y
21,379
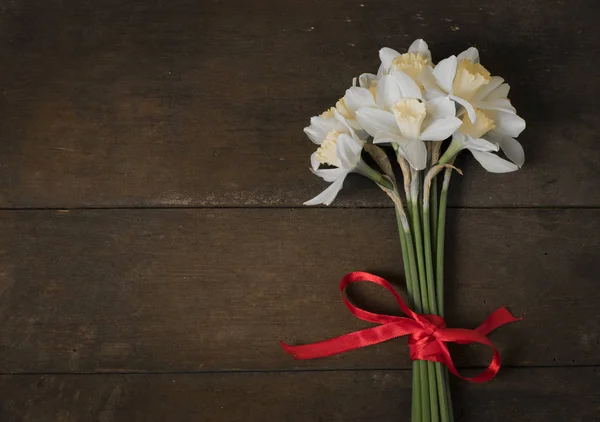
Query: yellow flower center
x,y
469,78
328,114
483,124
409,114
411,64
327,152
341,107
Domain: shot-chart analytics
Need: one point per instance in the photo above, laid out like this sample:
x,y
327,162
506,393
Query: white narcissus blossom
x,y
460,78
340,147
321,125
412,63
404,119
354,99
491,131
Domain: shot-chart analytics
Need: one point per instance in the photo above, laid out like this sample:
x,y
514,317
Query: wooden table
x,y
154,247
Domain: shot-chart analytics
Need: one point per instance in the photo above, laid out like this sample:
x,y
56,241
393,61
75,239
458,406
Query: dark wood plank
x,y
187,103
541,394
183,290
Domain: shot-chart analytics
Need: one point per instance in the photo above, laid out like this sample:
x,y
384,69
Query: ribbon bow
x,y
428,333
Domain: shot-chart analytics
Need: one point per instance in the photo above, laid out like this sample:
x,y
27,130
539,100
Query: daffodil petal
x,y
485,90
315,134
348,151
356,127
440,107
387,56
375,121
330,175
493,163
419,46
513,150
415,152
467,106
388,92
389,138
479,144
501,91
357,98
320,127
470,53
328,195
444,73
510,147
432,89
408,87
508,124
364,80
343,123
440,129
500,104
314,163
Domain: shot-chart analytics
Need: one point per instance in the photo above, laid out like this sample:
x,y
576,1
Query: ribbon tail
x,y
496,319
349,341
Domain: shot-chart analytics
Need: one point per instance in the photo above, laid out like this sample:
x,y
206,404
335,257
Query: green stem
x,y
440,242
419,365
437,385
433,392
440,276
434,213
441,374
429,260
416,226
410,252
435,156
430,412
407,271
442,394
448,394
374,175
416,378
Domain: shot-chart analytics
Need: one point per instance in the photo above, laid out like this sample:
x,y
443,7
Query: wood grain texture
x,y
187,103
195,290
532,395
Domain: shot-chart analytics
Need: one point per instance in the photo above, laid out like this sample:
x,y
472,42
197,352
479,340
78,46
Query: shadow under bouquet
x,y
410,107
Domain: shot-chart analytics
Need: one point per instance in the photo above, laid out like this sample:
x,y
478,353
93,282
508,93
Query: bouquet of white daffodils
x,y
413,105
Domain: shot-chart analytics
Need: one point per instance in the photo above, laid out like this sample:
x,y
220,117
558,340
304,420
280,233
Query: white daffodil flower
x,y
499,127
354,99
460,78
322,125
340,148
411,63
406,121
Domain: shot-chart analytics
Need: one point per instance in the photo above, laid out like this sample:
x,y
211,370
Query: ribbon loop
x,y
427,333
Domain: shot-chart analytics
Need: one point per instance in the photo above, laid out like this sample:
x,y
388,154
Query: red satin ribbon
x,y
428,333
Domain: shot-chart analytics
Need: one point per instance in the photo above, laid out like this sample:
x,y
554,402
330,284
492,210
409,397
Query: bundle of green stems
x,y
421,216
